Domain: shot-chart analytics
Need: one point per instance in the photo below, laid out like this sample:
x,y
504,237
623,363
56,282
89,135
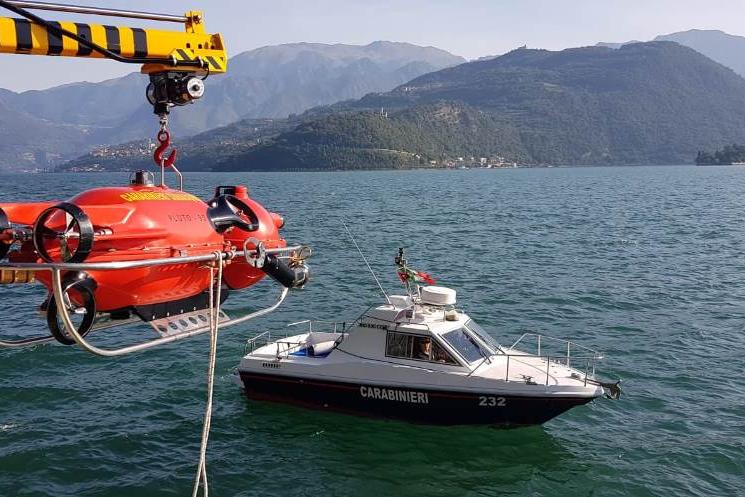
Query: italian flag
x,y
409,275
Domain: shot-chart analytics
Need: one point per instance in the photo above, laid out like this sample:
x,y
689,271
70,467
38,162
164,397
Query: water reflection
x,y
360,456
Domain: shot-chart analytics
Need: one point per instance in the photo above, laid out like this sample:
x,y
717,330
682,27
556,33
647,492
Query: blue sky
x,y
471,28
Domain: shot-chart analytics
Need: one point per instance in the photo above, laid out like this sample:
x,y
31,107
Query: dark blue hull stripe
x,y
410,404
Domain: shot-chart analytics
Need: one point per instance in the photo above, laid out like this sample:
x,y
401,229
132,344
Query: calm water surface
x,y
645,264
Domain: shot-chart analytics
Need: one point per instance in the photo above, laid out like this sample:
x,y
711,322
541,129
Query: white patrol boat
x,y
419,358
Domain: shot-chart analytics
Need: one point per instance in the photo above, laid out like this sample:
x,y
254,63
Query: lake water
x,y
645,264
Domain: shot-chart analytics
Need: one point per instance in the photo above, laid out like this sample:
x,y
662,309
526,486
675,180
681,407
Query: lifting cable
x,y
56,30
214,301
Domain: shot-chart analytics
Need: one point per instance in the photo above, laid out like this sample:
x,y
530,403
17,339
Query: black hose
x,y
96,48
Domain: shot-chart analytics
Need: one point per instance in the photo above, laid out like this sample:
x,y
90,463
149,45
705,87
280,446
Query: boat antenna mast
x,y
354,241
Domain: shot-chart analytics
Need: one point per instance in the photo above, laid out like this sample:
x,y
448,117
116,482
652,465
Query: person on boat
x,y
424,346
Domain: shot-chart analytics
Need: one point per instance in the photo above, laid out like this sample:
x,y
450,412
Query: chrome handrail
x,y
586,376
591,357
291,347
73,332
265,338
251,342
118,265
312,322
570,345
589,362
57,268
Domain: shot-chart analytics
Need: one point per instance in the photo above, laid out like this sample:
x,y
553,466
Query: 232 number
x,y
485,401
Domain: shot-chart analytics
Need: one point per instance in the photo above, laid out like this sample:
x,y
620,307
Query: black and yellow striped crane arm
x,y
171,58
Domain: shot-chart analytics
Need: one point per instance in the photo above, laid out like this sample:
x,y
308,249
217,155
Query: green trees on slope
x,y
730,154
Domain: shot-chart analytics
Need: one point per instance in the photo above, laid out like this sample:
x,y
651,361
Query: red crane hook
x,y
164,137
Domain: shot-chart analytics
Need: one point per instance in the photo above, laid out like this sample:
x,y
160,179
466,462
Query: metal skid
x,y
175,333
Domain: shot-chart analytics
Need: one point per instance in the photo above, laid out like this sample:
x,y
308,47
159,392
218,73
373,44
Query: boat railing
x,y
584,366
568,349
263,339
284,346
560,351
321,326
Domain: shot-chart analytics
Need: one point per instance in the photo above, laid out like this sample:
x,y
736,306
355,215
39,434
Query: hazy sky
x,y
471,28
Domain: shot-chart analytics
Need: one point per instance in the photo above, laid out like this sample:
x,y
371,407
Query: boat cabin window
x,y
417,347
485,337
465,344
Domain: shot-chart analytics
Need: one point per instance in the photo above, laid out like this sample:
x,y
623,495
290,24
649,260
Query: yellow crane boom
x,y
171,58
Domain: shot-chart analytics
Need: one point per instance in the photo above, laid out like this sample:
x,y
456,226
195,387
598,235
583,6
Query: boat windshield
x,y
485,337
466,345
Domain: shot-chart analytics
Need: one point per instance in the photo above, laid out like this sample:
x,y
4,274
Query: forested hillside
x,y
645,103
269,82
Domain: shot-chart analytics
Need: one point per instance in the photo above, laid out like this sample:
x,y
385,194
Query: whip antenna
x,y
351,237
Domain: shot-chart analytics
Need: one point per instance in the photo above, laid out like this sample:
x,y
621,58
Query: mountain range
x,y
268,82
626,103
727,49
643,103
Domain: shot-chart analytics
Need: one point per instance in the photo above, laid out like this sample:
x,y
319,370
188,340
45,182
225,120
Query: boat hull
x,y
417,405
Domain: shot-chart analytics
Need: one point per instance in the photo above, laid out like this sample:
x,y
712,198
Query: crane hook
x,y
164,137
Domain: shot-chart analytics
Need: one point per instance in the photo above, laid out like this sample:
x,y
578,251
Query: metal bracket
x,y
257,256
187,321
70,327
58,290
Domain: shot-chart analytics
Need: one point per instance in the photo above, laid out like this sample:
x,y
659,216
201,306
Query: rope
x,y
214,327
